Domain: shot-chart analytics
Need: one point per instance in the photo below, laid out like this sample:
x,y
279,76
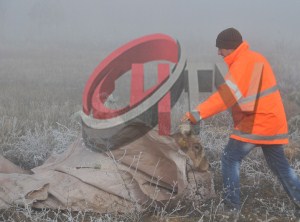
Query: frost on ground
x,y
33,147
38,120
264,199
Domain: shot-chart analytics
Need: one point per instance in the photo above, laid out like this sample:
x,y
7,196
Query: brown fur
x,y
192,147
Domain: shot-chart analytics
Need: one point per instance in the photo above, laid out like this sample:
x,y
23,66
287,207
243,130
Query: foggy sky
x,y
195,23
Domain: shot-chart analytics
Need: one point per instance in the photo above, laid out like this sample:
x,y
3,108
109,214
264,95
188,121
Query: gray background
x,y
104,25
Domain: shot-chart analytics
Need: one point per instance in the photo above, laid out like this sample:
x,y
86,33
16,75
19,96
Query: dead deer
x,y
191,146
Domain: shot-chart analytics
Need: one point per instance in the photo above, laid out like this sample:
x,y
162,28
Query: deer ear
x,y
183,145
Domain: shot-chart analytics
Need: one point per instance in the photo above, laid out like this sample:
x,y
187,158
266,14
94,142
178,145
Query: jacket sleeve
x,y
225,97
220,101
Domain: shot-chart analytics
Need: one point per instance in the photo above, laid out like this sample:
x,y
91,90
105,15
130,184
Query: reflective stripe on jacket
x,y
251,92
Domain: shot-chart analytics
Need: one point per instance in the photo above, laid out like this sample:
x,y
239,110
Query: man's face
x,y
224,52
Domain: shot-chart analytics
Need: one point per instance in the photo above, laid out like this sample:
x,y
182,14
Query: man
x,y
250,90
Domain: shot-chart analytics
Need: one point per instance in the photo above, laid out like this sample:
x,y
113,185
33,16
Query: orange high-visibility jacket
x,y
250,90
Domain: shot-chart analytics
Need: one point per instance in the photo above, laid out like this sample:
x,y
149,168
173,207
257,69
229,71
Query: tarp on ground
x,y
152,169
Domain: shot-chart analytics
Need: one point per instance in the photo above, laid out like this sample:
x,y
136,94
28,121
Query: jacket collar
x,y
236,53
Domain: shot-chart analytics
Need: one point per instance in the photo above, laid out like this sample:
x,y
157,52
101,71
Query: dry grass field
x,y
40,93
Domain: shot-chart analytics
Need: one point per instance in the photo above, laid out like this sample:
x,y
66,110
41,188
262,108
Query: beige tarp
x,y
149,170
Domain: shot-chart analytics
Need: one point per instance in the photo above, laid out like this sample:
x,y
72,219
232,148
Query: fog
x,y
105,25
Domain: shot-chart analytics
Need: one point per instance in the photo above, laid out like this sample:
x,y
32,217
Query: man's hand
x,y
184,119
188,117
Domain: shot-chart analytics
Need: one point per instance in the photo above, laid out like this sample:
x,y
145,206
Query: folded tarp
x,y
150,170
